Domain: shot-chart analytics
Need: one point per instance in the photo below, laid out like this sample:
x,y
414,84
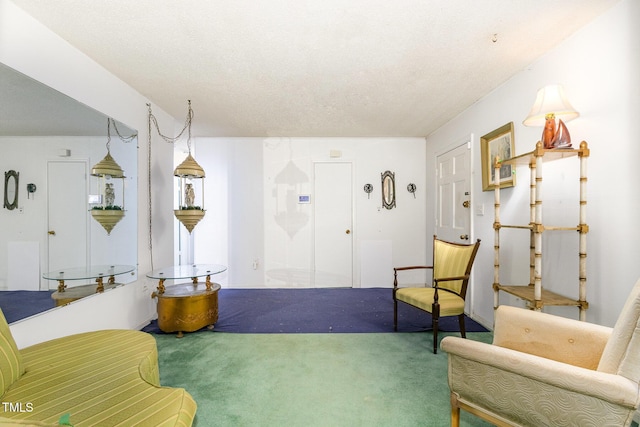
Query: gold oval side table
x,y
187,307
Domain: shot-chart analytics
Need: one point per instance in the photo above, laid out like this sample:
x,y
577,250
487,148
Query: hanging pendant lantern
x,y
190,182
106,210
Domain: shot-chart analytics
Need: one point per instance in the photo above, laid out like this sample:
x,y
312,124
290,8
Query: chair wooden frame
x,y
437,285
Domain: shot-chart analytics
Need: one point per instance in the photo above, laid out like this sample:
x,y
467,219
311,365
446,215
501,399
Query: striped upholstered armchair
x,y
451,270
545,370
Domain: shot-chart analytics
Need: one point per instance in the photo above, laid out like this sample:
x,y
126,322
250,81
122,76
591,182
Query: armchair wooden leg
x,y
435,336
455,411
435,315
395,314
463,331
455,417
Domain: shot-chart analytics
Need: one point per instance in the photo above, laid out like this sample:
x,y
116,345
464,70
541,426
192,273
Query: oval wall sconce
x,y
368,188
411,188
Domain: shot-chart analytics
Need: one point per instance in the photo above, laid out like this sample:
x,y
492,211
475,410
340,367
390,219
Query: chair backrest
x,y
453,260
11,366
621,355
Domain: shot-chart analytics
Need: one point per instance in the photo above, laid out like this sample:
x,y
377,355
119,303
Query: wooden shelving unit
x,y
533,293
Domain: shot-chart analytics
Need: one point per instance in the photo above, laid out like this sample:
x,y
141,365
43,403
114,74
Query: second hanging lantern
x,y
190,176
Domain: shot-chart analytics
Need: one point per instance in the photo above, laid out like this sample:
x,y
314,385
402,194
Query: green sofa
x,y
101,378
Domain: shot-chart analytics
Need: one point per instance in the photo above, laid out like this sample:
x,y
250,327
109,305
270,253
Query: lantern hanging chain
x,y
189,120
149,185
187,126
108,135
152,118
125,139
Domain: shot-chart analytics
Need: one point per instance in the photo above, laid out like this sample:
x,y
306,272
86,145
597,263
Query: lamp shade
x,y
550,100
189,168
107,166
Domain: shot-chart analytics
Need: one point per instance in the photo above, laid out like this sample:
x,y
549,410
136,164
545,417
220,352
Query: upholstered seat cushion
x,y
106,377
450,304
11,366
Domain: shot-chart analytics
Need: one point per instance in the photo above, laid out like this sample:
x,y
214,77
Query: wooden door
x,y
67,217
453,216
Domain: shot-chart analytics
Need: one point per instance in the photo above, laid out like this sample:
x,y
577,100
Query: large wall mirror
x,y
52,142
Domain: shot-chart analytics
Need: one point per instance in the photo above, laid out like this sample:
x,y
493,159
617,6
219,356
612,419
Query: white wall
x,y
30,48
242,200
599,67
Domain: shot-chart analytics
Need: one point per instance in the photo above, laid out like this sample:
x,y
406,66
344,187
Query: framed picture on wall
x,y
498,144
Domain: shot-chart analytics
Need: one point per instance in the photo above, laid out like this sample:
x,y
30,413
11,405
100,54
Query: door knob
x,y
348,231
464,236
466,204
52,232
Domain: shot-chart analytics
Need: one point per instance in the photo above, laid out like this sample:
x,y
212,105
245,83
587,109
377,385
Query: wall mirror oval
x,y
388,190
11,189
55,231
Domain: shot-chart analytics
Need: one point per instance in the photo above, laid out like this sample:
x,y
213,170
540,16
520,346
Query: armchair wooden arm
x,y
412,267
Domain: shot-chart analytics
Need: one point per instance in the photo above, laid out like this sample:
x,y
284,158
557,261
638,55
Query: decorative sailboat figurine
x,y
561,139
555,137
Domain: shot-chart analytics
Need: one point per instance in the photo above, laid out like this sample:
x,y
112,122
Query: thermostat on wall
x,y
304,198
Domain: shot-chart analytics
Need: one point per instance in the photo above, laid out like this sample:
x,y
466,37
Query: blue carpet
x,y
324,310
17,305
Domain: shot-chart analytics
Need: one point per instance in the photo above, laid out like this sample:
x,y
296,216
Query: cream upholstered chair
x,y
545,370
451,267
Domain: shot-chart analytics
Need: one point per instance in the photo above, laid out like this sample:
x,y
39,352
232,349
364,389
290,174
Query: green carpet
x,y
390,379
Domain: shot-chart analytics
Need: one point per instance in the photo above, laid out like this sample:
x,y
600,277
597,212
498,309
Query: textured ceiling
x,y
315,67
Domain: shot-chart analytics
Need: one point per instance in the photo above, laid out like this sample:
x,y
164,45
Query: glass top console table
x,y
98,272
181,272
187,307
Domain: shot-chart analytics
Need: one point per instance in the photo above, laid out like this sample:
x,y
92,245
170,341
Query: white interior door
x,y
333,219
67,217
453,216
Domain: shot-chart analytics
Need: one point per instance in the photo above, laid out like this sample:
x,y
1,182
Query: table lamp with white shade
x,y
551,104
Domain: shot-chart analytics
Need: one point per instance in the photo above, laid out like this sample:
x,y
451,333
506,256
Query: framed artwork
x,y
498,144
